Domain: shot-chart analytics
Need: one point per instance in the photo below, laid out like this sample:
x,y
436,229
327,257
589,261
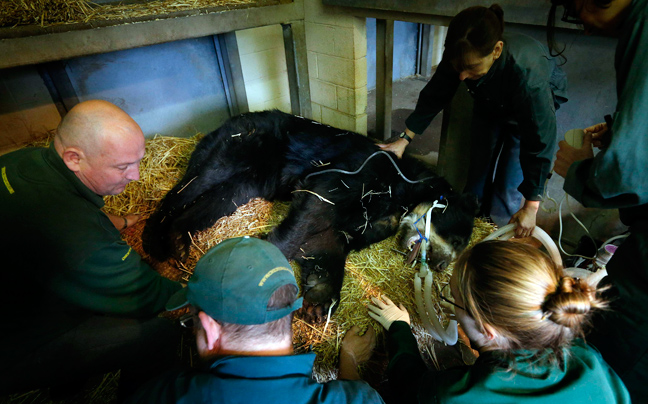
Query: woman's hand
x,y
525,218
397,147
386,312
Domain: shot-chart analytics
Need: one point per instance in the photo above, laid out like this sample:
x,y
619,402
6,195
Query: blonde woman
x,y
525,316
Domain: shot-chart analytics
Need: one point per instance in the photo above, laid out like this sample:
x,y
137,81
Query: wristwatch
x,y
403,135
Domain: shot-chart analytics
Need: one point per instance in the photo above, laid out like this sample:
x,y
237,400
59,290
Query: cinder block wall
x,y
263,62
337,66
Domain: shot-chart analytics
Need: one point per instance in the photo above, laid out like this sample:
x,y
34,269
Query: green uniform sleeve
x,y
98,271
406,367
115,280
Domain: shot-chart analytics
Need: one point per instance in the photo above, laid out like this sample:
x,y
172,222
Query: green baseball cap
x,y
233,282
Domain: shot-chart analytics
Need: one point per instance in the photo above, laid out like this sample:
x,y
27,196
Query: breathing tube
x,y
593,278
423,291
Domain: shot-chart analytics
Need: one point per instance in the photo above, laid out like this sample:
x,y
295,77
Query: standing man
x,y
617,177
78,299
242,296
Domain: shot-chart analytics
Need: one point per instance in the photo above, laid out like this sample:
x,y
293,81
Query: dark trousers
x,y
140,348
621,334
495,171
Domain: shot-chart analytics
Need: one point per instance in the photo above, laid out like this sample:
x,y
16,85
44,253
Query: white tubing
x,y
549,244
429,317
448,335
508,231
421,309
503,233
592,278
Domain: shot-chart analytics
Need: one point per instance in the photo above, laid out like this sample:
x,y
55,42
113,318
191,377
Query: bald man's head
x,y
102,145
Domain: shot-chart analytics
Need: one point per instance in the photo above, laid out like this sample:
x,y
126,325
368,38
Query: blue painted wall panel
x,y
172,89
405,49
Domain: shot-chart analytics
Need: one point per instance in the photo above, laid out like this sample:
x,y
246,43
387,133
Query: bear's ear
x,y
469,202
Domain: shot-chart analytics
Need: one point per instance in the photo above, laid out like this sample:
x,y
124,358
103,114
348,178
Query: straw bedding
x,y
55,12
378,269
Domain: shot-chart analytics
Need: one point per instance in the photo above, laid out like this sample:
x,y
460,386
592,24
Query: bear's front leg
x,y
322,275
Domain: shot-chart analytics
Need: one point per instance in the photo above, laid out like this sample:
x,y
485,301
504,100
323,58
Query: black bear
x,y
346,194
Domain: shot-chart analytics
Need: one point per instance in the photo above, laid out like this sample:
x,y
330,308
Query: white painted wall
x,y
263,61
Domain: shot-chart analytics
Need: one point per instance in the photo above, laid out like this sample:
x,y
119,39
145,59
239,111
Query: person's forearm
x,y
348,366
409,133
531,206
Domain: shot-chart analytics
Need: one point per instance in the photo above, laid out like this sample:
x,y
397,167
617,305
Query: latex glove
x,y
567,155
386,312
599,133
525,218
397,147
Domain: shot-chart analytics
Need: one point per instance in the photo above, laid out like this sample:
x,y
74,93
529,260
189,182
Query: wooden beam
x,y
426,34
531,12
229,63
384,68
297,67
27,50
59,85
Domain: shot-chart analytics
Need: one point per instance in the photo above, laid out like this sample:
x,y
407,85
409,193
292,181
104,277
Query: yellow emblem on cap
x,y
273,271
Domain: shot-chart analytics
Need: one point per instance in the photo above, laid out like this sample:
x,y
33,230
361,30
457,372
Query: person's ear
x,y
212,330
490,333
497,50
72,157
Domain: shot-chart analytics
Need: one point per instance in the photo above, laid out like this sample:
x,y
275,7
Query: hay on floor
x,y
378,269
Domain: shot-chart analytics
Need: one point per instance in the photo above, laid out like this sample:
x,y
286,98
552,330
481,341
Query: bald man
x,y
77,299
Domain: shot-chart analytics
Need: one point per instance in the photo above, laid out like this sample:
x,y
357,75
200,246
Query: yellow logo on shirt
x,y
6,180
127,254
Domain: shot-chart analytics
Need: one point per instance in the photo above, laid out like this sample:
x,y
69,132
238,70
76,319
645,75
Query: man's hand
x,y
599,132
567,155
355,351
525,218
397,147
121,223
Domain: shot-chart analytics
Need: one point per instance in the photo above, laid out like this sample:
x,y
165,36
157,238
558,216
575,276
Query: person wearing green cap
x,y
241,298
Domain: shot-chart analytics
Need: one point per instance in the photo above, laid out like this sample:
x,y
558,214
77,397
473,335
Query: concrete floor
x,y
405,94
602,224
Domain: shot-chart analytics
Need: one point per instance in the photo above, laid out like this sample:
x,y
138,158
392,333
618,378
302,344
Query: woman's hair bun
x,y
499,12
570,303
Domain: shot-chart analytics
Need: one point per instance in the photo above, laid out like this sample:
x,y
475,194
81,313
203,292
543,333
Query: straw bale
x,y
56,12
376,270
